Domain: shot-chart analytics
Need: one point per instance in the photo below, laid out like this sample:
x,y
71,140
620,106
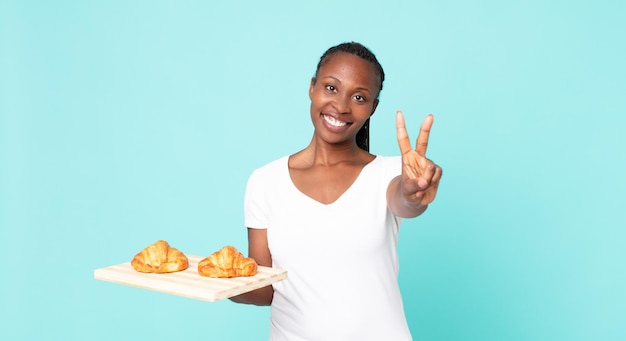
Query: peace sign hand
x,y
420,176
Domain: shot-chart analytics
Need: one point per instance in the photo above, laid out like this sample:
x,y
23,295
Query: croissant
x,y
227,262
160,258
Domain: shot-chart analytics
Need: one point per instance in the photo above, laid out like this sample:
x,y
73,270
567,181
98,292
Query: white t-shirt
x,y
341,259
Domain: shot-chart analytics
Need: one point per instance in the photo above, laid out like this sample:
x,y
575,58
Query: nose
x,y
343,104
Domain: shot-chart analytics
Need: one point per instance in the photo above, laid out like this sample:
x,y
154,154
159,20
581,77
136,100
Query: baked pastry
x,y
227,262
160,258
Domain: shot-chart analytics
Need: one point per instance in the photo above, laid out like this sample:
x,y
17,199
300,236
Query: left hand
x,y
420,176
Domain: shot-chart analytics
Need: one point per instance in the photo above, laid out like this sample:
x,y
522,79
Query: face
x,y
343,96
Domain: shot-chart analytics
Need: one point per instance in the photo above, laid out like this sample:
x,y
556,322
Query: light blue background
x,y
124,122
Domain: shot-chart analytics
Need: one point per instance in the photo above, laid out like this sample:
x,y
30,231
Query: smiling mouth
x,y
333,121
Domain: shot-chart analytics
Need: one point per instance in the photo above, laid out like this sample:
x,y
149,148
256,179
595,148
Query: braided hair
x,y
362,136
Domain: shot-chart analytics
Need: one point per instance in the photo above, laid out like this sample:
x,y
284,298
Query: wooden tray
x,y
189,283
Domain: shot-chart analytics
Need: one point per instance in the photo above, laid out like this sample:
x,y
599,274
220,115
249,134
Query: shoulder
x,y
388,162
386,167
270,169
278,163
388,159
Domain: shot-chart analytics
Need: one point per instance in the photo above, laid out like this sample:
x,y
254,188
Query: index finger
x,y
403,136
422,138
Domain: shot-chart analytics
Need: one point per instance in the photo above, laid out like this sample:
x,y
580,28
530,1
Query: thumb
x,y
422,184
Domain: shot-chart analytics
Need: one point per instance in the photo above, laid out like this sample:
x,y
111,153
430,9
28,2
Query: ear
x,y
313,80
374,107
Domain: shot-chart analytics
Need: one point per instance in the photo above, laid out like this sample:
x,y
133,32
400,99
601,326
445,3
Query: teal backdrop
x,y
124,122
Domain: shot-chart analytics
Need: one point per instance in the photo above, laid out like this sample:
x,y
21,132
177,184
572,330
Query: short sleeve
x,y
393,168
255,205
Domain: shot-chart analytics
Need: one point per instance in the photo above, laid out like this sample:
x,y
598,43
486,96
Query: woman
x,y
330,213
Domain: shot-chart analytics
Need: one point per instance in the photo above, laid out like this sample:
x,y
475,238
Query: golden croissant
x,y
227,262
160,258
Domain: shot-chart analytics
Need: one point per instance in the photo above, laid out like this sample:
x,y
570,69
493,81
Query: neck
x,y
320,153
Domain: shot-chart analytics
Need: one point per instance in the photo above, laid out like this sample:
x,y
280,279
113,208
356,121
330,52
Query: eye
x,y
360,98
331,88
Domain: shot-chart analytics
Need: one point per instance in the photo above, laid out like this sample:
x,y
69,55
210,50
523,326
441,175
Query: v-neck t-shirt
x,y
341,258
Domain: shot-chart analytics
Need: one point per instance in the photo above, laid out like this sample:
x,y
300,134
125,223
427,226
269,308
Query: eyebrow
x,y
358,88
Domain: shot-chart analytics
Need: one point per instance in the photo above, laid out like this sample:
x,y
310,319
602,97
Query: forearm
x,y
260,297
258,250
400,204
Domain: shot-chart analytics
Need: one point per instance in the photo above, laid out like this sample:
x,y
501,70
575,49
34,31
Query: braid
x,y
362,136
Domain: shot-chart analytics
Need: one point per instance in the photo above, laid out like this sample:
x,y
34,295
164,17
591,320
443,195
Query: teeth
x,y
334,122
